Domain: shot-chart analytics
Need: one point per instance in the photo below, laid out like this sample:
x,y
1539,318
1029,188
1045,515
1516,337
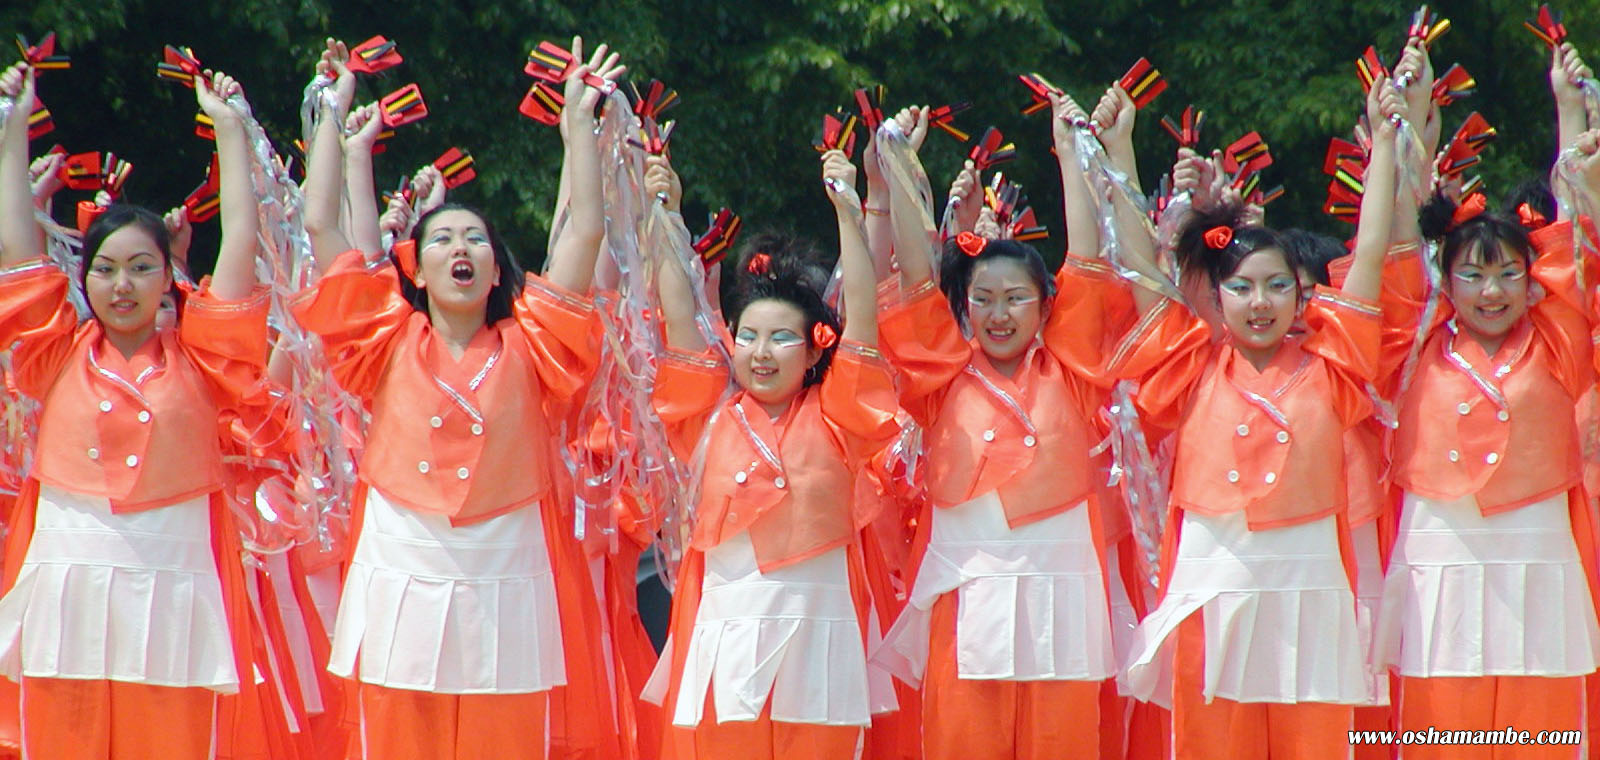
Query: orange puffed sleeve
x,y
560,328
1403,297
920,337
36,322
1560,319
1345,331
227,341
688,387
1168,353
1091,311
357,310
858,398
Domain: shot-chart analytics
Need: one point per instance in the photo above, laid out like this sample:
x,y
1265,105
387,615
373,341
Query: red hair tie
x,y
1530,218
1469,209
759,264
971,244
823,335
88,211
1218,237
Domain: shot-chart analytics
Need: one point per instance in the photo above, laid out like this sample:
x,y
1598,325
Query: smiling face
x,y
1004,309
770,352
1489,298
125,282
1259,302
455,262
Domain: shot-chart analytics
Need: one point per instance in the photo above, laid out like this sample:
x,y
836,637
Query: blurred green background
x,y
755,78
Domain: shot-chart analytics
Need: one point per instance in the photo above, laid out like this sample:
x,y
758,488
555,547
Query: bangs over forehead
x,y
1487,250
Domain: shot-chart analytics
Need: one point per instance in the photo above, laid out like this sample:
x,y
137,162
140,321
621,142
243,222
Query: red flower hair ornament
x,y
1218,237
1530,218
971,244
823,336
759,264
1469,209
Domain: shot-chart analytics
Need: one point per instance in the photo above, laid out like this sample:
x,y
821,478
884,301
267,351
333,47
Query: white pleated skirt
x,y
790,637
1031,601
124,597
1503,595
452,610
1280,618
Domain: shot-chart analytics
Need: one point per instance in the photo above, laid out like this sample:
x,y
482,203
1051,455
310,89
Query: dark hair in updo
x,y
793,275
1314,250
1220,264
505,290
1485,235
956,268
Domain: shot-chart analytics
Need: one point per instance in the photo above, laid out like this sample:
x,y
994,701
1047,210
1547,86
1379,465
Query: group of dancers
x,y
1208,490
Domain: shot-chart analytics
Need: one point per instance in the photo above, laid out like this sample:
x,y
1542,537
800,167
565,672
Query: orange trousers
x,y
1227,730
966,719
762,739
1489,703
400,724
72,719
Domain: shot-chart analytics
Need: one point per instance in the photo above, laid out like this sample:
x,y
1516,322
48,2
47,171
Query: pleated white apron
x,y
452,610
1502,595
1031,601
791,637
1280,618
124,597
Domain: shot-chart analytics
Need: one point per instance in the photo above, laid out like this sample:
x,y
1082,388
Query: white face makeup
x,y
770,354
1259,303
1004,309
455,262
1489,299
125,282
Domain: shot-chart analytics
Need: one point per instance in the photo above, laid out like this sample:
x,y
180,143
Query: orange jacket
x,y
1269,443
1502,427
470,439
1028,436
141,431
787,481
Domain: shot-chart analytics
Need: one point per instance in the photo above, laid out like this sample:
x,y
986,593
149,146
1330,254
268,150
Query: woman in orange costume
x,y
1255,562
767,653
1008,625
124,613
466,601
1488,611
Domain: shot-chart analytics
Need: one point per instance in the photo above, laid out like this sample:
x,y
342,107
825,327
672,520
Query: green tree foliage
x,y
755,77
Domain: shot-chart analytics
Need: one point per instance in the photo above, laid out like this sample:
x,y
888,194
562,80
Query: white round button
x,y
733,517
1492,458
1029,441
1244,430
1233,476
132,460
1503,415
477,429
988,435
1464,408
462,473
780,482
435,421
422,467
144,416
105,406
740,477
1283,436
1272,477
94,453
1455,456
